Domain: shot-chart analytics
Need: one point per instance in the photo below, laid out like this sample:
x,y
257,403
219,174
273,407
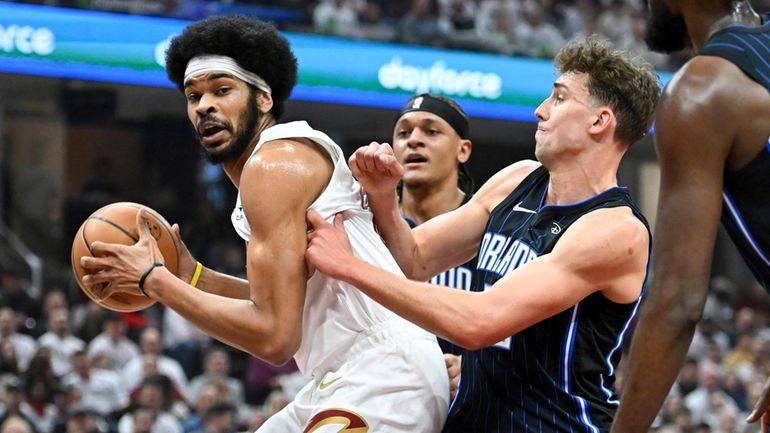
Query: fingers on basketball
x,y
116,223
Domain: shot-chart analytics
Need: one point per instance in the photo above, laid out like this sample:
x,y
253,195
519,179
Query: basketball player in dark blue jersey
x,y
563,256
711,136
431,141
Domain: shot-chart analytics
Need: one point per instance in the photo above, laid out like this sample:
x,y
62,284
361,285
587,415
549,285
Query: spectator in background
x,y
184,341
217,369
719,304
615,20
203,397
12,406
262,378
373,24
489,10
219,418
9,366
335,17
52,300
498,33
143,419
101,390
572,18
24,346
14,296
256,418
457,22
113,342
38,405
632,40
703,401
60,341
151,344
156,392
15,424
536,37
88,319
707,334
687,380
420,25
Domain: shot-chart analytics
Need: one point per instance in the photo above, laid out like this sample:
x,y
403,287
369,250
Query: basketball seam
x,y
114,225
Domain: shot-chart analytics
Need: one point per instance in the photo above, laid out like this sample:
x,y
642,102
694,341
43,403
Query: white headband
x,y
211,63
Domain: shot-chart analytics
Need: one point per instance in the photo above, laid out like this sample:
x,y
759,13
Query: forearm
x,y
260,330
437,309
395,232
658,349
217,283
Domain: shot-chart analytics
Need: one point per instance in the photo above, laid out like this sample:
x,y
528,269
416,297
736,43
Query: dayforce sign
x,y
439,78
26,40
100,46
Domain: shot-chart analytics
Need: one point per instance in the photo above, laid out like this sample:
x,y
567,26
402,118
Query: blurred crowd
x,y
70,366
726,367
532,28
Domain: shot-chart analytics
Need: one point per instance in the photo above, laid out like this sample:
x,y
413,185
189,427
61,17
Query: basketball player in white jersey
x,y
371,370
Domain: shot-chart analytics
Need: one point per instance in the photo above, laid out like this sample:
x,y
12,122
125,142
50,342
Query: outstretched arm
x,y
692,141
443,242
277,186
584,260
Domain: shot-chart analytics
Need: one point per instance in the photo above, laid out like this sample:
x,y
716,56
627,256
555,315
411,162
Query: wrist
x,y
195,278
152,282
146,275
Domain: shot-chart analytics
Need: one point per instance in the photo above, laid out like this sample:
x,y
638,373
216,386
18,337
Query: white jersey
x,y
336,315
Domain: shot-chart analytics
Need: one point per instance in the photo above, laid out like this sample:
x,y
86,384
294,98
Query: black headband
x,y
440,108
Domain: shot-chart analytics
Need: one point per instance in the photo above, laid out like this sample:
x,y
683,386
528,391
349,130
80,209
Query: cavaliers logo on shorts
x,y
348,421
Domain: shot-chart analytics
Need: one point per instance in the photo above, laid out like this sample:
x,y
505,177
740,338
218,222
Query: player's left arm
x,y
695,125
605,250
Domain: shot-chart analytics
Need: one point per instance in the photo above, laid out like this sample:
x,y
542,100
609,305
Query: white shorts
x,y
389,384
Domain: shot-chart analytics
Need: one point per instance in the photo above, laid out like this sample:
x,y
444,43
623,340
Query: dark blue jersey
x,y
746,213
557,375
459,277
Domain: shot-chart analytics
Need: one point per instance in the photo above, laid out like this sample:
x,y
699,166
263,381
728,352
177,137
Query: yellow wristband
x,y
196,274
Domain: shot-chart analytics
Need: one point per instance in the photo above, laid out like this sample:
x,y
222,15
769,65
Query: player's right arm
x,y
693,138
440,243
277,186
209,280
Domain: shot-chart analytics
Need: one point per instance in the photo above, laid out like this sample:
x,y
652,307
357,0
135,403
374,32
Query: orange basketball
x,y
116,223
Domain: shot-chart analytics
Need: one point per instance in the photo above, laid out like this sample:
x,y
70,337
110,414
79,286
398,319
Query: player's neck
x,y
740,13
234,168
423,203
582,178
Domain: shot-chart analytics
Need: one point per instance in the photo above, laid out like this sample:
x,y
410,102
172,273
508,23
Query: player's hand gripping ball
x,y
116,223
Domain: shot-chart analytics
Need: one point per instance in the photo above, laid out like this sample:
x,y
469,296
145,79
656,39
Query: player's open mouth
x,y
211,133
414,160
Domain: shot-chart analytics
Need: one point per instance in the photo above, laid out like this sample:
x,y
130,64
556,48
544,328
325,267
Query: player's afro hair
x,y
255,45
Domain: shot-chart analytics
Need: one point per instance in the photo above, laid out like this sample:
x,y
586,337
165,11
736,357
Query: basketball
x,y
116,223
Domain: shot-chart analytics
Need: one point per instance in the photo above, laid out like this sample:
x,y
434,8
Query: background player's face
x,y
224,115
428,148
665,32
564,118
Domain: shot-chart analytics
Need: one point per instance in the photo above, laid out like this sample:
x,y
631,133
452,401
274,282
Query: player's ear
x,y
603,119
464,151
264,101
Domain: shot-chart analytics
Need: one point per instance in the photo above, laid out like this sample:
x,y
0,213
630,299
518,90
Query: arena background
x,y
96,126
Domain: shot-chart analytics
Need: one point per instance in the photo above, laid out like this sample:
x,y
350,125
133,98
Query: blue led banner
x,y
100,46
